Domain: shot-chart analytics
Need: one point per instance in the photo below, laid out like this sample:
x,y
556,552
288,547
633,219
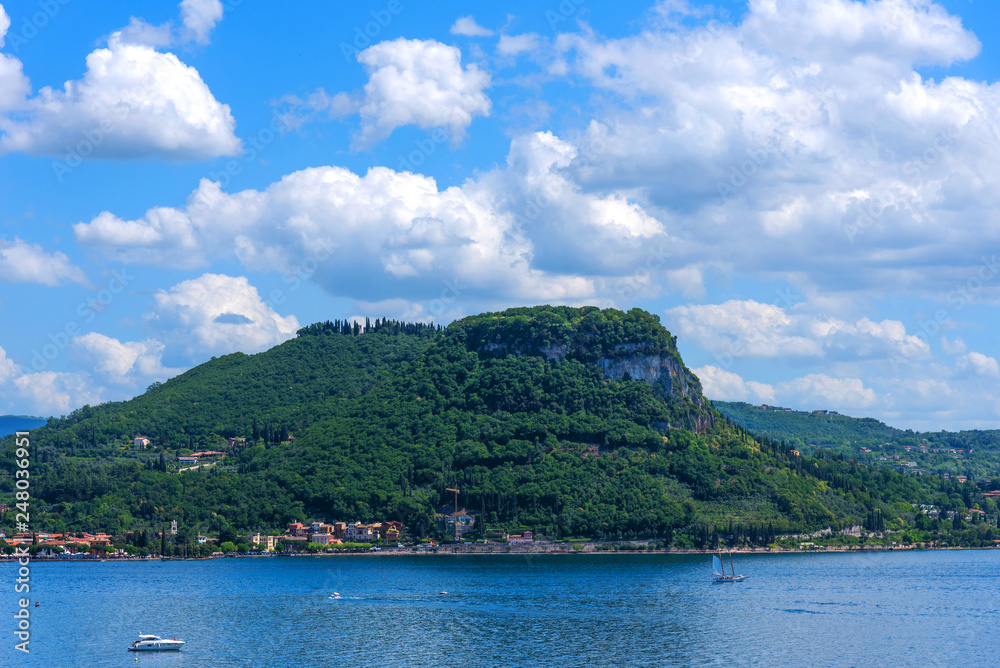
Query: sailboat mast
x,y
731,567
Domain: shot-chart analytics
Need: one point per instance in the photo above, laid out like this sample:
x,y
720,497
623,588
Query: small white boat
x,y
719,571
334,595
150,643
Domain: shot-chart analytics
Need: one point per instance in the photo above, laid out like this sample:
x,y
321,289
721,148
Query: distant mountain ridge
x,y
973,453
12,423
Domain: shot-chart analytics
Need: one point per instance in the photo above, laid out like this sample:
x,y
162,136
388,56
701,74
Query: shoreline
x,y
453,552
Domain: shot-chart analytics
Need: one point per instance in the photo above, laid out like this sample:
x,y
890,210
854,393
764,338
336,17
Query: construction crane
x,y
454,489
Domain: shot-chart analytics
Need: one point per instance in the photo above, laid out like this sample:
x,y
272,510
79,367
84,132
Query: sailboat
x,y
719,570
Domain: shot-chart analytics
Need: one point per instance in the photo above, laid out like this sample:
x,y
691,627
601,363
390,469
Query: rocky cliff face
x,y
634,362
670,377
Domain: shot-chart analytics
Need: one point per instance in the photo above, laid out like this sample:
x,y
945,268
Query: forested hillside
x,y
973,453
569,421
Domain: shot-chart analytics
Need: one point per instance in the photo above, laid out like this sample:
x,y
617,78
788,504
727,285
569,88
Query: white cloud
x,y
727,386
513,45
141,33
216,314
956,347
132,363
4,24
828,392
922,394
163,233
806,122
980,364
200,17
807,392
8,368
736,329
524,232
743,328
903,31
23,262
55,393
14,86
132,102
422,83
468,27
410,82
43,393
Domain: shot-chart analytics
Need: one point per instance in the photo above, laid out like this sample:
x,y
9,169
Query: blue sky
x,y
803,190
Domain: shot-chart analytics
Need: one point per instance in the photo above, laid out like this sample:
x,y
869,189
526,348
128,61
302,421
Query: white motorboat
x,y
334,595
150,643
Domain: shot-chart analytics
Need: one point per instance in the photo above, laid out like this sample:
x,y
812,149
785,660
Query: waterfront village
x,y
297,538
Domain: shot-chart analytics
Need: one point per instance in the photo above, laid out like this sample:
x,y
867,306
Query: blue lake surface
x,y
884,609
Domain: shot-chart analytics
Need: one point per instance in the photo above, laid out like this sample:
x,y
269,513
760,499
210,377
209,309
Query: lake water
x,y
887,609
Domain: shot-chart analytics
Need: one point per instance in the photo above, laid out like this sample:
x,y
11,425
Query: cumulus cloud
x,y
23,262
200,18
196,316
130,363
823,390
54,393
5,24
522,232
210,315
410,82
42,393
513,45
422,83
807,392
746,328
728,386
8,368
132,102
980,364
14,86
468,27
806,122
956,347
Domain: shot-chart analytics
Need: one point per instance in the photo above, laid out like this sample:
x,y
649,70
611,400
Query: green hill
x,y
973,453
568,421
